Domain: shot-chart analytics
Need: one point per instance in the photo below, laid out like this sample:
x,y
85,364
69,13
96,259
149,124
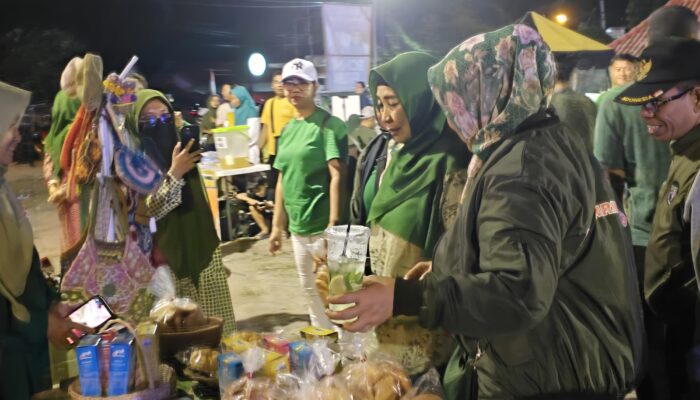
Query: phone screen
x,y
92,314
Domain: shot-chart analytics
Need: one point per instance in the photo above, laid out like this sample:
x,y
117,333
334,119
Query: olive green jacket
x,y
669,278
537,272
24,348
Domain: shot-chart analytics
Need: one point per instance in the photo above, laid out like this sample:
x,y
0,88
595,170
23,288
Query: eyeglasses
x,y
152,120
292,84
655,105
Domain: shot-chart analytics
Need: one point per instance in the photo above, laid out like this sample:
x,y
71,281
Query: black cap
x,y
663,65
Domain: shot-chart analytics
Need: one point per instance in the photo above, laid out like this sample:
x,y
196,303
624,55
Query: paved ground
x,y
265,289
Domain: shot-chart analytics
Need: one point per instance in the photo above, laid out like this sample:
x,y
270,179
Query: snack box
x,y
147,333
300,353
311,333
230,370
121,364
275,364
239,342
276,344
88,355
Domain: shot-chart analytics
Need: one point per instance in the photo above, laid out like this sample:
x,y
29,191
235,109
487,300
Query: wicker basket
x,y
155,391
174,340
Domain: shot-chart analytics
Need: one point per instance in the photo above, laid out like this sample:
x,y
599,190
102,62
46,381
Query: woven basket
x,y
155,391
175,340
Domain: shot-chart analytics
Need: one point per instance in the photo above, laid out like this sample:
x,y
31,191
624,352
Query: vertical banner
x,y
347,33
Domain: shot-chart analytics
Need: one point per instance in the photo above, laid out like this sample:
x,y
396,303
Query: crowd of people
x,y
525,241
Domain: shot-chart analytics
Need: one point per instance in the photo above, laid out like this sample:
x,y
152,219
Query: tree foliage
x,y
638,10
34,59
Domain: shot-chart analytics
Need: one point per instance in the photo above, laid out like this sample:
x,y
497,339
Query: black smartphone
x,y
94,313
188,133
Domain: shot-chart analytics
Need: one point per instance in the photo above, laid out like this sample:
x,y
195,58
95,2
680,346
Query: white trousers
x,y
305,265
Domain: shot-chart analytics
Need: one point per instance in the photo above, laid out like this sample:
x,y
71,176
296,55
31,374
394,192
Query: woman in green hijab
x,y
185,233
417,195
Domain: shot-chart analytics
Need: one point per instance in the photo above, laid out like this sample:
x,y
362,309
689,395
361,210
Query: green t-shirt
x,y
302,158
622,142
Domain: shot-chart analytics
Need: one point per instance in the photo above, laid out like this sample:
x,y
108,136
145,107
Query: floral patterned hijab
x,y
491,83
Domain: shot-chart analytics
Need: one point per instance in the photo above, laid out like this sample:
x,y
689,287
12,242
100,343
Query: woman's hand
x,y
374,304
60,330
419,271
275,241
183,160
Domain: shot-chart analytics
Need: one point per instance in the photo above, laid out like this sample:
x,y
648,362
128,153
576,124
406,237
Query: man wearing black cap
x,y
668,90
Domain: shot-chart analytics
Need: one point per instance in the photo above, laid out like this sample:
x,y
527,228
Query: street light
x,y
257,64
561,18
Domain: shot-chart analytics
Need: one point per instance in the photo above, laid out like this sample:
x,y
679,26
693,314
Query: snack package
x,y
88,355
121,365
300,353
324,361
200,360
276,343
311,333
169,311
427,387
107,338
230,370
240,342
275,364
329,388
384,380
248,388
147,334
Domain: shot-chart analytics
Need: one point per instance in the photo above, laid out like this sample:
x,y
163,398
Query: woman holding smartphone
x,y
185,236
311,160
29,309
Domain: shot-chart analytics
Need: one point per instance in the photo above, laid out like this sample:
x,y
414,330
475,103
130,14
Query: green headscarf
x,y
491,83
62,115
186,236
407,202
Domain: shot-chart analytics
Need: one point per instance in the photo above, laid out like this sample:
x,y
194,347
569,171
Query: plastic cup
x,y
346,271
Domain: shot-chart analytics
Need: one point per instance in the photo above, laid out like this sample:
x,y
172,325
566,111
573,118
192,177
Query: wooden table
x,y
215,180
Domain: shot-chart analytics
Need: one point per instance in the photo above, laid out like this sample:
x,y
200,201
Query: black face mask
x,y
158,140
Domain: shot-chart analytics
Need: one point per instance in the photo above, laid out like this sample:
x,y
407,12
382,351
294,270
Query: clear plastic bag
x,y
427,387
376,379
249,388
200,360
169,310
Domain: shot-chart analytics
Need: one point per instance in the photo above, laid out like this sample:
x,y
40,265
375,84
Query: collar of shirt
x,y
685,143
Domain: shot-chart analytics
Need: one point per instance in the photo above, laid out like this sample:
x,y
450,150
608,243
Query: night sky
x,y
178,41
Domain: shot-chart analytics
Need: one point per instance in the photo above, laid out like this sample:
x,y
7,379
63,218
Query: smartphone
x,y
93,313
188,133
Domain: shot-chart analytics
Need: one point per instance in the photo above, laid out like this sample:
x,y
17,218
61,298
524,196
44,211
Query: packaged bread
x,y
204,361
169,311
376,380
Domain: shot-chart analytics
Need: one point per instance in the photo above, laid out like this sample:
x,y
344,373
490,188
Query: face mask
x,y
158,138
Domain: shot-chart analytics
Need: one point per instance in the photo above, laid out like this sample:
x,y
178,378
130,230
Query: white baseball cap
x,y
300,68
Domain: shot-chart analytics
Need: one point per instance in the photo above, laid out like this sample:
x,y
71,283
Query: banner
x,y
347,33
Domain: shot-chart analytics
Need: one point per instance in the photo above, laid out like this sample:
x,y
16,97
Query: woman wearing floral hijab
x,y
535,278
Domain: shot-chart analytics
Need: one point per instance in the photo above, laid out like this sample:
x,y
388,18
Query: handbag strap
x,y
272,115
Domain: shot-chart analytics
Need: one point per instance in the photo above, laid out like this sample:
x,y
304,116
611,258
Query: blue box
x,y
299,357
230,370
88,354
121,365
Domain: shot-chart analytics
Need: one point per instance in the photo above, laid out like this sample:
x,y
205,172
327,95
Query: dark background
x,y
178,41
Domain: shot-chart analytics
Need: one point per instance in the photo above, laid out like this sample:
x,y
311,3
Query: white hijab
x,y
16,238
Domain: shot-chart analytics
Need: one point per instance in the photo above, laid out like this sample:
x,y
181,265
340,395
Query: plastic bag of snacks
x,y
169,311
376,379
247,387
200,360
427,387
